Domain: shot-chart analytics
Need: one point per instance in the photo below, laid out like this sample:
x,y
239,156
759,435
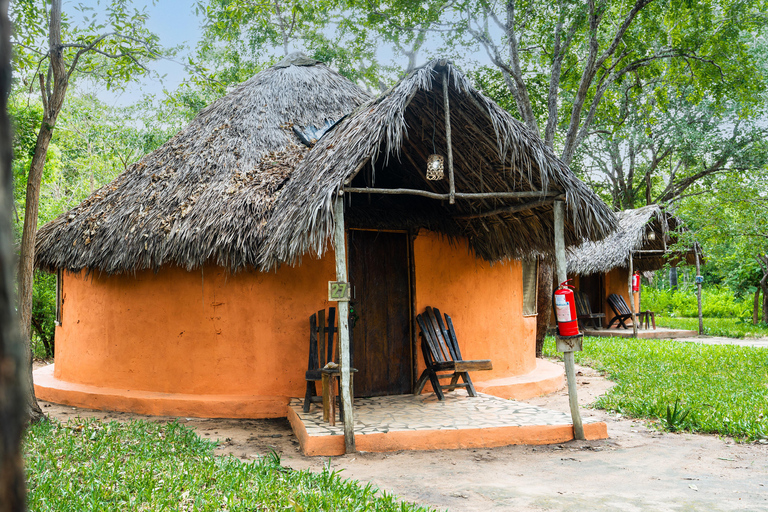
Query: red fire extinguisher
x,y
565,310
636,282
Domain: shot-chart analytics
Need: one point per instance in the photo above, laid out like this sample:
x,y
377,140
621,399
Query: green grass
x,y
729,327
87,465
725,387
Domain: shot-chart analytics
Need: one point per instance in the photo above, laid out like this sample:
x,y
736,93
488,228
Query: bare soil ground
x,y
637,468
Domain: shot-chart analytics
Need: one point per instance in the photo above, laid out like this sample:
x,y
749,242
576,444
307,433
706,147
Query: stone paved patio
x,y
426,412
408,416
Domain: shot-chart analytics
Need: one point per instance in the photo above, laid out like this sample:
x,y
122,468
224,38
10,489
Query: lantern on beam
x,y
435,168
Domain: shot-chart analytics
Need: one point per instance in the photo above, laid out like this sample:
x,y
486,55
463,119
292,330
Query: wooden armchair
x,y
322,364
442,354
620,309
584,312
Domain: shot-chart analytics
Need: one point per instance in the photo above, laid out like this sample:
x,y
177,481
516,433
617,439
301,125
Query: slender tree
x,y
114,53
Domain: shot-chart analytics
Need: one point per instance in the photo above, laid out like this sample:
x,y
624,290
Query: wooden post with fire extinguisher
x,y
634,286
569,339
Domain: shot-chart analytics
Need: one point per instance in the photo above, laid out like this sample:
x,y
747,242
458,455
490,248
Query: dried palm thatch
x,y
385,143
645,233
207,194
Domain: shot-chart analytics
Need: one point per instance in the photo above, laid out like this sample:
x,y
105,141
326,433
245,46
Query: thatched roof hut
x,y
385,144
207,194
154,319
647,234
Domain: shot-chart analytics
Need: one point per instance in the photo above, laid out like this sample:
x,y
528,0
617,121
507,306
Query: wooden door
x,y
381,338
592,286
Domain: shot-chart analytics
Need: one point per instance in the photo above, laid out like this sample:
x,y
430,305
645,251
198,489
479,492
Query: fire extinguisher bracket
x,y
569,343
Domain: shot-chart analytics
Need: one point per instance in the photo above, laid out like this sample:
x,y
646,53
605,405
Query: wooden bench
x,y
442,354
620,309
323,365
584,312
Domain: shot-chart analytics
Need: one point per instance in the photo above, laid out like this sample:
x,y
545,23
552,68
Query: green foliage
x,y
723,386
716,302
241,38
731,223
675,418
92,144
43,315
728,327
111,45
90,465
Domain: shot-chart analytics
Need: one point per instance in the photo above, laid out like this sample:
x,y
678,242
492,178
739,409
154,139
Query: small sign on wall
x,y
338,291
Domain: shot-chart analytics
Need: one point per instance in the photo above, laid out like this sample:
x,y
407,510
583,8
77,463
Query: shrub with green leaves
x,y
728,327
90,465
722,386
716,302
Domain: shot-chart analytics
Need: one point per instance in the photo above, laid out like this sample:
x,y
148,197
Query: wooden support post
x,y
570,367
632,296
698,287
339,246
446,107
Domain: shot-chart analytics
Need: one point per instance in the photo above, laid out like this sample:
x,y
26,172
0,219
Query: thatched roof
x,y
636,228
236,187
385,143
207,194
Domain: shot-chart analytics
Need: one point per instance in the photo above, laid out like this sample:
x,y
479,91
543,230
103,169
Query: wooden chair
x,y
620,309
318,368
584,311
442,354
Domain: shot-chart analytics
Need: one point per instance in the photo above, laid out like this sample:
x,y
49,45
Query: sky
x,y
175,22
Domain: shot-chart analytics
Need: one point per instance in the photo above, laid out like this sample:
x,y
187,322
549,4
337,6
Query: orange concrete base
x,y
49,388
327,445
546,378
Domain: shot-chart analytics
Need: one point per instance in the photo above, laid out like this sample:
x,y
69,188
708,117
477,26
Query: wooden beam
x,y
458,195
506,209
357,170
632,295
446,107
698,288
339,246
570,365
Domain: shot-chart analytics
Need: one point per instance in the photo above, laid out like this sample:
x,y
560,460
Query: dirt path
x,y
636,469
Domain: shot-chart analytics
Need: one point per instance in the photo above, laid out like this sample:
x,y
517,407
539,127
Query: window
x,y
58,296
530,275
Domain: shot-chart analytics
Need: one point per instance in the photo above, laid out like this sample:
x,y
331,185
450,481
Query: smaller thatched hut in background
x,y
645,238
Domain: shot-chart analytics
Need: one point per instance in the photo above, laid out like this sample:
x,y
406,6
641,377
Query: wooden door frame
x,y
411,236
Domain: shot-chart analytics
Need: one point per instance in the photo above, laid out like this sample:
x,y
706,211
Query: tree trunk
x,y
756,307
673,278
764,287
52,104
12,399
543,304
27,254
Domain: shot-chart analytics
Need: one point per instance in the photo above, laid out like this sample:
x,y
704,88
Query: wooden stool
x,y
331,379
645,316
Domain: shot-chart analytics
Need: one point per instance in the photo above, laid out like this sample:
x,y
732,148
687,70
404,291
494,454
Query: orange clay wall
x,y
484,301
212,333
617,281
208,332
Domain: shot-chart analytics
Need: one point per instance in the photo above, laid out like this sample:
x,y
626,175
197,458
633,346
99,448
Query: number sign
x,y
338,291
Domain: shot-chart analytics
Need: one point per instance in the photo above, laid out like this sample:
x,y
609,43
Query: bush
x,y
43,315
717,389
716,302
